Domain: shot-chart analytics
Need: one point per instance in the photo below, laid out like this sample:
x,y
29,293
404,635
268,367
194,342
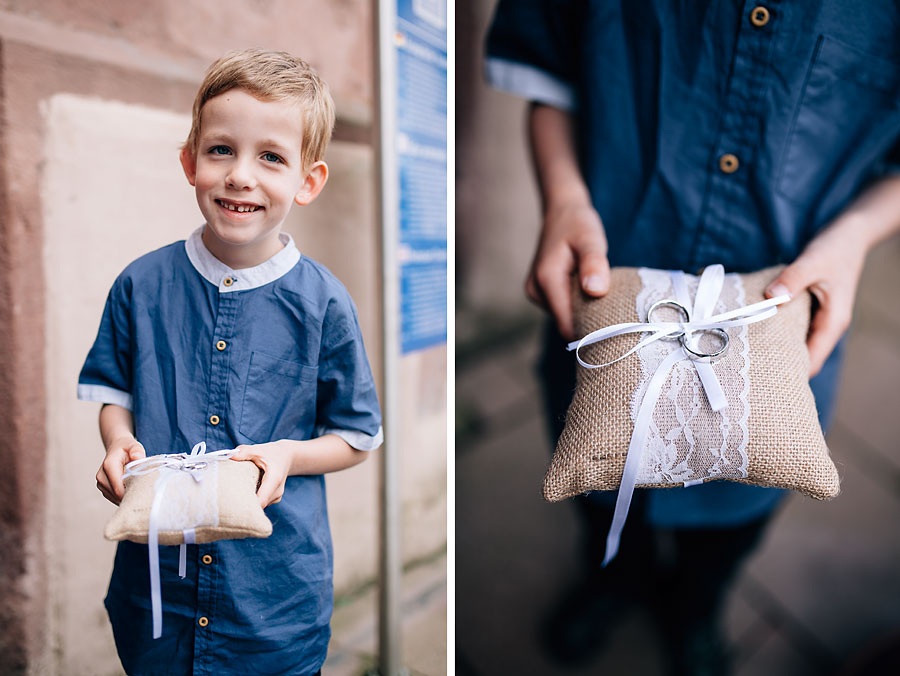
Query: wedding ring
x,y
672,304
712,356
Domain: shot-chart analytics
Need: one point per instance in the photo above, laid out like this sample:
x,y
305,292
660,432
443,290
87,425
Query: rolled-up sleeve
x,y
346,402
106,376
530,51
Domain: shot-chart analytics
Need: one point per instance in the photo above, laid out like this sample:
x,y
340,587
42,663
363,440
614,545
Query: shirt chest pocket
x,y
279,399
848,110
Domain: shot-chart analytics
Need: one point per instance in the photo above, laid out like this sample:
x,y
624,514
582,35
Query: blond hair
x,y
271,76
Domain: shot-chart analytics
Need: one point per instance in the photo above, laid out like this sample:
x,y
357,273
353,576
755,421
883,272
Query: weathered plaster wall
x,y
94,224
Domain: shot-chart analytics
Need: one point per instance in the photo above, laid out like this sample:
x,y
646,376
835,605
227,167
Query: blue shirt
x,y
200,352
713,132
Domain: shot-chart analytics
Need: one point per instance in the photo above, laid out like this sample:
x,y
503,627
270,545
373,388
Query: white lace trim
x,y
687,440
189,503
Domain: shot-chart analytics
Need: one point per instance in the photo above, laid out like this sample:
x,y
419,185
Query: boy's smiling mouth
x,y
240,207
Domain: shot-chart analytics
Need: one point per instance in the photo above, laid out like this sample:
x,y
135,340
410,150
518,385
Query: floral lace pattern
x,y
688,441
188,503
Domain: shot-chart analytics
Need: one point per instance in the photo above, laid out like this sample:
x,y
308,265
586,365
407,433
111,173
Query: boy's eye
x,y
220,150
271,157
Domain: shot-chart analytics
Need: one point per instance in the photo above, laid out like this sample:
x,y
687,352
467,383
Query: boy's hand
x,y
572,237
274,459
830,268
572,241
119,453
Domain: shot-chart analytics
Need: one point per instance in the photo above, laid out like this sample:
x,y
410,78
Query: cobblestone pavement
x,y
354,640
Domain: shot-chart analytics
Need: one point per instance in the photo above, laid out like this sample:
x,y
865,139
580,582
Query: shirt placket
x,y
728,202
217,437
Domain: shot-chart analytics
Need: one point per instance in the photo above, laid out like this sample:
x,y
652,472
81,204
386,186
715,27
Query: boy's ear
x,y
189,164
312,184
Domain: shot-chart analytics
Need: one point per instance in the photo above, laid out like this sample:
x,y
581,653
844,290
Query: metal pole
x,y
390,563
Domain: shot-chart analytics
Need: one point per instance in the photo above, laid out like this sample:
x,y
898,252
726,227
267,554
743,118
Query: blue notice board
x,y
421,146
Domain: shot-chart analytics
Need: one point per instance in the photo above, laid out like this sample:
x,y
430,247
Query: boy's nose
x,y
240,176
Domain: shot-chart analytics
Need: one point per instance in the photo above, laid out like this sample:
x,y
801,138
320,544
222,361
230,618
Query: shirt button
x,y
221,345
214,419
759,16
728,163
207,559
203,621
228,281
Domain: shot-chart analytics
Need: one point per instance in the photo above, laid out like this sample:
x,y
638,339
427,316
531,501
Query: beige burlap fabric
x,y
239,513
784,444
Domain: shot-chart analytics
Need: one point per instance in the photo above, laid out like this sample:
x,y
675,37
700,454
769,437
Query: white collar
x,y
228,280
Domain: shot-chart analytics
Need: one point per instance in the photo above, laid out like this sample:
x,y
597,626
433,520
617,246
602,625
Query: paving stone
x,y
425,629
515,555
832,567
513,551
524,365
742,621
777,656
489,387
869,400
878,302
354,641
343,663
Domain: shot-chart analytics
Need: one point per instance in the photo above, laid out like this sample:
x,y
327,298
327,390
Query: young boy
x,y
233,338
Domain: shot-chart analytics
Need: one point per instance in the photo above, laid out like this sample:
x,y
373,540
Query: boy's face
x,y
247,172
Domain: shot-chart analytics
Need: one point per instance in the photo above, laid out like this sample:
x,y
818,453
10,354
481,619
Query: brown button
x,y
759,16
207,559
221,345
203,621
728,163
228,281
214,419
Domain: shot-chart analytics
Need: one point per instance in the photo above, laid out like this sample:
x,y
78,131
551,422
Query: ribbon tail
x,y
153,554
635,452
714,392
190,535
182,561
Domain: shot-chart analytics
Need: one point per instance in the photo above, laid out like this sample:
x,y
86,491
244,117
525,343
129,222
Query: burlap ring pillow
x,y
222,506
768,435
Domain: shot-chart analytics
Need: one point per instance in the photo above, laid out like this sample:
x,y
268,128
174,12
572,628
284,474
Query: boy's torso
x,y
232,367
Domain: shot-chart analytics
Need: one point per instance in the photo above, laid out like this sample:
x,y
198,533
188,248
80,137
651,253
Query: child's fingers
x,y
109,477
557,289
792,280
105,487
827,326
274,466
593,268
270,490
109,495
136,451
533,291
112,468
244,452
831,318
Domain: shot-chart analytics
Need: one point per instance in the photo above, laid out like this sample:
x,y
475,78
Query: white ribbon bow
x,y
169,465
700,319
